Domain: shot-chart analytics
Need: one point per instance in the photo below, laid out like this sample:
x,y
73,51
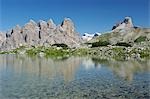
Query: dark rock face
x,y
40,34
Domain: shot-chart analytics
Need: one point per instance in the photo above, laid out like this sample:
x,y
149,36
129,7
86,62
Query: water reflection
x,y
47,67
88,64
41,67
23,77
125,69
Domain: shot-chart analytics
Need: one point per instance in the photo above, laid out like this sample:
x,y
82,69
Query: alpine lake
x,y
24,77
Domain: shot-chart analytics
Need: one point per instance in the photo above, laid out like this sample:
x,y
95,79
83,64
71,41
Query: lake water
x,y
23,77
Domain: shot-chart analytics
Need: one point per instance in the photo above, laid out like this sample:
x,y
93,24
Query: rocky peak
x,y
17,28
68,26
51,24
126,23
43,25
59,28
30,25
32,22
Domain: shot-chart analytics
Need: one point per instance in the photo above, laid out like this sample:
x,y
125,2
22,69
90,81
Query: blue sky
x,y
88,15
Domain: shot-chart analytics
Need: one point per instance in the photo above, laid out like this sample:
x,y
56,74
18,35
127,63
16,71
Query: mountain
x,y
41,34
125,33
47,34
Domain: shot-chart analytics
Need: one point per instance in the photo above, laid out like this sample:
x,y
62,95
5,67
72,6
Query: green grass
x,y
48,52
56,52
119,53
80,52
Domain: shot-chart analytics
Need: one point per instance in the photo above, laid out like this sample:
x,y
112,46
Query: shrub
x,y
123,44
61,45
140,39
100,43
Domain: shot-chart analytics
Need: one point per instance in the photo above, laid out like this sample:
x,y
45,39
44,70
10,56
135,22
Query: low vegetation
x,y
64,46
145,53
140,39
100,43
100,49
124,44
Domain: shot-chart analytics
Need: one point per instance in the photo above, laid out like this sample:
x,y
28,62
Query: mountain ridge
x,y
41,34
47,33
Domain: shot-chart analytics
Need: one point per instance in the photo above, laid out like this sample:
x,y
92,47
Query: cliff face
x,y
2,38
40,34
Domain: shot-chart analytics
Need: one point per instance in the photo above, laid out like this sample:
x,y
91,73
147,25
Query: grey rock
x,y
41,34
127,23
31,33
2,38
68,26
17,37
51,24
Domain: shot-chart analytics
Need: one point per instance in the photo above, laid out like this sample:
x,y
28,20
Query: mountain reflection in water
x,y
40,67
67,68
125,69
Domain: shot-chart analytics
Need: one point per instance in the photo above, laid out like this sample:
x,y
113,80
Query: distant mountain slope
x,y
129,35
124,32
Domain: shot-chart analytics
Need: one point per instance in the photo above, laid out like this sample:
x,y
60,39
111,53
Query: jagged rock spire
x,y
51,24
43,25
68,26
17,28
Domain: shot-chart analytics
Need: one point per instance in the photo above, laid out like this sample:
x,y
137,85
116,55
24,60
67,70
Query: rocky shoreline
x,y
107,53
